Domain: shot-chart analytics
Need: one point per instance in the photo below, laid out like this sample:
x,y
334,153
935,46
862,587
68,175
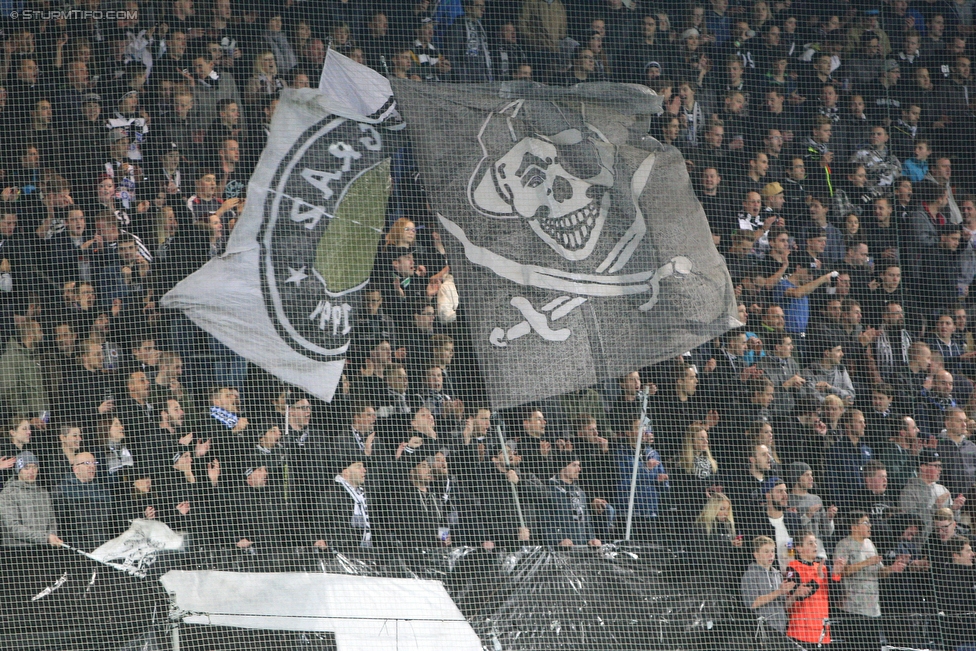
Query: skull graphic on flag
x,y
566,186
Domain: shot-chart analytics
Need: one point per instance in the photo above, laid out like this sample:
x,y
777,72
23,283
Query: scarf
x,y
886,350
360,510
696,118
228,419
118,458
702,467
359,440
477,40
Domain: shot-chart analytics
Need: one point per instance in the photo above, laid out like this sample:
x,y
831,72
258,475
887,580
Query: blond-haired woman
x,y
721,554
265,81
696,477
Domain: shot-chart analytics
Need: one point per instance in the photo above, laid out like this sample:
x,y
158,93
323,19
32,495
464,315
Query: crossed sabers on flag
x,y
537,321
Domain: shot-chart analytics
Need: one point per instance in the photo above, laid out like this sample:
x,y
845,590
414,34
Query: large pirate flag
x,y
577,244
284,294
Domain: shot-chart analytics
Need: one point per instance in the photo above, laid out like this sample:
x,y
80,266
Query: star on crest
x,y
297,276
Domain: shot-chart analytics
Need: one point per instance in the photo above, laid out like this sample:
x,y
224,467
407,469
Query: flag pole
x,y
508,464
633,476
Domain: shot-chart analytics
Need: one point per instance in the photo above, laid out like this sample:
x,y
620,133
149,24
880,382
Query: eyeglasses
x,y
87,463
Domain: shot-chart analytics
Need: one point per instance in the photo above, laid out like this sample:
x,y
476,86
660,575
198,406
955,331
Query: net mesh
x,y
539,324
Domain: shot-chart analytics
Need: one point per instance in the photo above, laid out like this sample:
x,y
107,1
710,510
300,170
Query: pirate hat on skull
x,y
556,174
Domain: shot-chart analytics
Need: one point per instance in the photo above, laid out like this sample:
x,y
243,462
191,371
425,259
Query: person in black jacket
x,y
85,508
257,513
773,519
536,446
956,595
596,456
88,391
498,502
340,511
419,516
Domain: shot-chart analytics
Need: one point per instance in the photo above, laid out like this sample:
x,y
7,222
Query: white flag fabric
x,y
285,293
136,548
366,613
354,89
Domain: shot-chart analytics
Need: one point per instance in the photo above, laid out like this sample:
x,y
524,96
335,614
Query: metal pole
x,y
633,476
518,505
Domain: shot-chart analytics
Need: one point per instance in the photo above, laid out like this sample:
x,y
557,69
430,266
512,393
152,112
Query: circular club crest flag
x,y
286,292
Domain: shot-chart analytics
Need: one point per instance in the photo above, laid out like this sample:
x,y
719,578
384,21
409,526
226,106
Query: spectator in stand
x,y
875,499
861,568
26,511
697,472
60,457
18,440
958,453
571,518
899,453
467,46
257,511
340,511
923,495
794,293
542,26
499,505
356,437
828,376
209,87
846,459
652,480
955,591
679,405
809,620
880,418
536,446
945,527
84,506
596,455
226,427
746,481
810,507
764,591
21,385
773,519
933,405
880,164
817,209
508,53
113,455
720,551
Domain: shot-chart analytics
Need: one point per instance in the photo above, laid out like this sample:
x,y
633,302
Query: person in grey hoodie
x,y
26,510
765,594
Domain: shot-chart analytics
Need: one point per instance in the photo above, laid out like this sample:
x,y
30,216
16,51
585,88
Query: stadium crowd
x,y
815,463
